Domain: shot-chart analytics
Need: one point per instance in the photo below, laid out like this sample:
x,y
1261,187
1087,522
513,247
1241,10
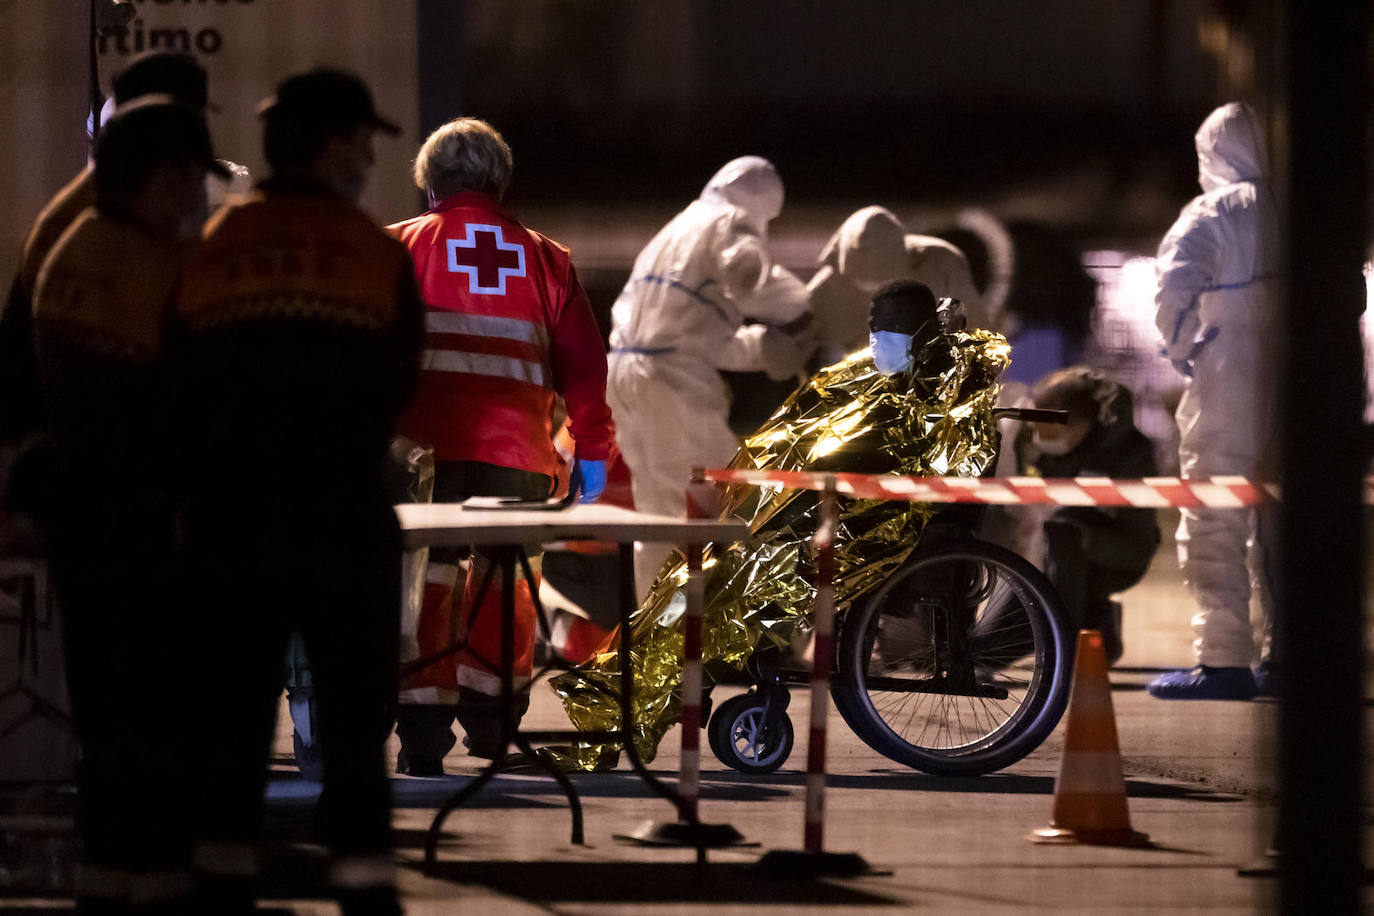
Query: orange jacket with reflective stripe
x,y
295,346
508,326
101,303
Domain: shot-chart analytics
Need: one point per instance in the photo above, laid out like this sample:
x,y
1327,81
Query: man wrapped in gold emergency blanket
x,y
933,419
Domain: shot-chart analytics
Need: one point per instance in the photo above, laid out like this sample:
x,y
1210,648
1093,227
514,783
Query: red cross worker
x,y
508,329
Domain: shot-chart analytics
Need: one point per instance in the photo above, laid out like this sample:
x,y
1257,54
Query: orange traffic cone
x,y
1090,793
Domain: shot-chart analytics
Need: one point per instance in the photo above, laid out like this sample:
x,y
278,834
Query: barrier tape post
x,y
689,769
822,650
689,830
813,859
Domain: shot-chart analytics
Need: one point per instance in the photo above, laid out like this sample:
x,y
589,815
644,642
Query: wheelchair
x,y
957,664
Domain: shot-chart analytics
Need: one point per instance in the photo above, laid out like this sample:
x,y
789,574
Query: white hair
x,y
466,154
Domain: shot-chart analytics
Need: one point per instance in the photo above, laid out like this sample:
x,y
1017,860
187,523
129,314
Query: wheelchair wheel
x,y
739,738
957,665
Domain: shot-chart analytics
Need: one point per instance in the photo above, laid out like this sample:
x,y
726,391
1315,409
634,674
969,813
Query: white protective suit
x,y
1217,311
679,319
868,250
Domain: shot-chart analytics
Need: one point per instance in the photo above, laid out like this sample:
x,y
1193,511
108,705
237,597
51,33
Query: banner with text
x,y
247,46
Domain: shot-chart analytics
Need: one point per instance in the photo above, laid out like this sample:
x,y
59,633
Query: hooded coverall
x,y
1216,309
679,319
868,250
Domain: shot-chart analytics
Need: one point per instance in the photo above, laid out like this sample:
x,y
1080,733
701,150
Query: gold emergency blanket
x,y
848,417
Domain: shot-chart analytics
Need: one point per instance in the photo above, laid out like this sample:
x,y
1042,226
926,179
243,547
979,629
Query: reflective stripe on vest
x,y
485,326
491,364
522,370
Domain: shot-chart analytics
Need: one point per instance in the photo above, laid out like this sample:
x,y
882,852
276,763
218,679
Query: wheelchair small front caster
x,y
740,736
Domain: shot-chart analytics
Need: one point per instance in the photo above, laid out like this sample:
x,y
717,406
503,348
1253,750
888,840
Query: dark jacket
x,y
1112,448
295,346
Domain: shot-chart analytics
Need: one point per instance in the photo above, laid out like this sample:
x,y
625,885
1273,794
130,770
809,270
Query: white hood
x,y
869,248
752,185
1230,147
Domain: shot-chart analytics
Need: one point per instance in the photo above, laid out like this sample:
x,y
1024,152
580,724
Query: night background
x,y
1069,123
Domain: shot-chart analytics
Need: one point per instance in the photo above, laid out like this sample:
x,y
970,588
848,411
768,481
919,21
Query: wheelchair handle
x,y
1031,414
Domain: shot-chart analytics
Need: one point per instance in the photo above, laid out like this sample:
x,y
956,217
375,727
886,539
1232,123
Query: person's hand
x,y
590,474
1183,366
783,355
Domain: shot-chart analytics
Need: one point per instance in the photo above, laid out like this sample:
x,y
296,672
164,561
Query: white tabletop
x,y
431,524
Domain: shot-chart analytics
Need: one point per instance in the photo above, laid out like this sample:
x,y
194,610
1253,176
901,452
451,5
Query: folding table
x,y
503,532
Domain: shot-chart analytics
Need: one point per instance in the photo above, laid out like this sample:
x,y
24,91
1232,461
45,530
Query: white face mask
x,y
1066,438
1060,445
891,351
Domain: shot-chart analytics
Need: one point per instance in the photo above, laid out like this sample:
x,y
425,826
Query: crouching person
x,y
1092,552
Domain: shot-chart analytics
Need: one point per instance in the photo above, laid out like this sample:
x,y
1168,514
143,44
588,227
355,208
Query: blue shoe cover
x,y
1203,683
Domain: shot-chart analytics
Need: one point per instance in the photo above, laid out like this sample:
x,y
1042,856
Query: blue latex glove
x,y
589,476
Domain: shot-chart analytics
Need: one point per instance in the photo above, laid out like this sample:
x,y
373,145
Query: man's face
x,y
173,201
346,160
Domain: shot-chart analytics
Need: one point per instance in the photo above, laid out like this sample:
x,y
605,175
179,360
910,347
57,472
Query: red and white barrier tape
x,y
1149,492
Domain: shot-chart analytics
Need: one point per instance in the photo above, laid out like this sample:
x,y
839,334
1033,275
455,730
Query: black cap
x,y
903,306
154,129
164,73
330,101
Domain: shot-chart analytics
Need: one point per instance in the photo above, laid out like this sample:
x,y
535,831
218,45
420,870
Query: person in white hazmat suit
x,y
870,249
1217,310
682,317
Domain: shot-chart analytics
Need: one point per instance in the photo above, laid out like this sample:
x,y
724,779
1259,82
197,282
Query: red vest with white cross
x,y
508,325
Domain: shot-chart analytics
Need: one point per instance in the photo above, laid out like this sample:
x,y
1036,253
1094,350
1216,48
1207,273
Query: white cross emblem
x,y
489,263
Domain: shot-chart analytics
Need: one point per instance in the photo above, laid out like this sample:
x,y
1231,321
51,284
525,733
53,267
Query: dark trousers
x,y
1088,563
258,569
425,731
112,564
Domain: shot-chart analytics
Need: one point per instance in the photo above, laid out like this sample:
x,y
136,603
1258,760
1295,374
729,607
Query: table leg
x,y
686,813
510,733
507,557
